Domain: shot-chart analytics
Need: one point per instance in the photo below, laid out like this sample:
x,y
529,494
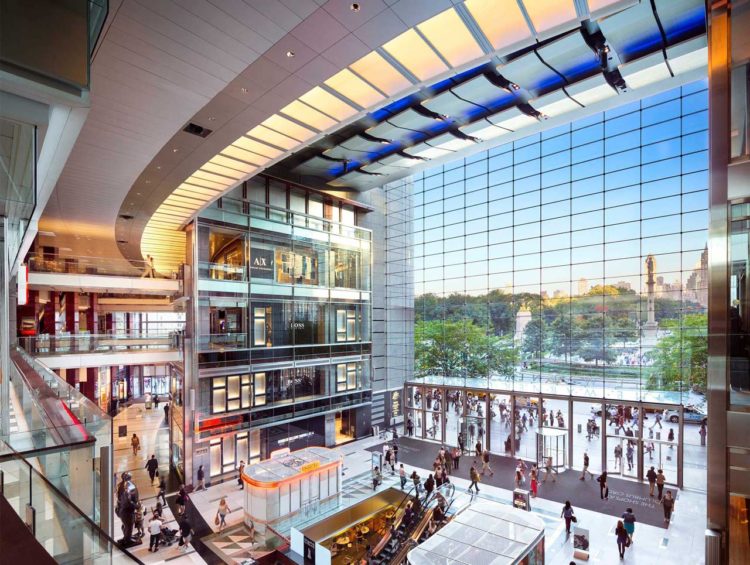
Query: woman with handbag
x,y
569,515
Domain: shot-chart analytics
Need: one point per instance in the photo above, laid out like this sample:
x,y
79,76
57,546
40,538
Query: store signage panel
x,y
261,263
23,285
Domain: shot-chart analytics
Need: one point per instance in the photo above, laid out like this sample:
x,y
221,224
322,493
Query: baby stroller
x,y
168,536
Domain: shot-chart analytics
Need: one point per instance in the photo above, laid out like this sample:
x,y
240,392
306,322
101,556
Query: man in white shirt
x,y
154,528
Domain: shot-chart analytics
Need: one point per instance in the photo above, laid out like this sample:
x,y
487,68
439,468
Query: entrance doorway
x,y
344,426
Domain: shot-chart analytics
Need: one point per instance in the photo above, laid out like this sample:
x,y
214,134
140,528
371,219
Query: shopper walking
x,y
409,427
149,272
657,421
660,480
240,473
201,475
702,432
629,455
186,534
395,446
389,460
533,477
166,412
429,486
628,518
221,513
162,491
548,470
135,443
603,488
417,481
478,449
456,457
670,437
568,514
586,467
152,465
622,538
651,476
402,475
181,500
154,529
618,456
377,478
668,503
474,478
486,463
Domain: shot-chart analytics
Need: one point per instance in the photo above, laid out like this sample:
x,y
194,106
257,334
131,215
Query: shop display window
x,y
230,393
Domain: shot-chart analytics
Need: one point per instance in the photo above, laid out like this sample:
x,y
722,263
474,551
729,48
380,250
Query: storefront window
x,y
346,377
230,393
346,324
262,327
260,389
219,394
298,267
346,268
215,455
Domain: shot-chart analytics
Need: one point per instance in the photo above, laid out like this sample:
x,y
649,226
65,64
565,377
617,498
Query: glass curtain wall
x,y
574,261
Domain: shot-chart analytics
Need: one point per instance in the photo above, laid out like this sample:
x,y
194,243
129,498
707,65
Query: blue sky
x,y
588,200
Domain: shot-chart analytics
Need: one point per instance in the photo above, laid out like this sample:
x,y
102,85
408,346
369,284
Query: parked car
x,y
693,414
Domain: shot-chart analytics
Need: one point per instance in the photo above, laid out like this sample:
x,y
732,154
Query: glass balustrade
x,y
63,529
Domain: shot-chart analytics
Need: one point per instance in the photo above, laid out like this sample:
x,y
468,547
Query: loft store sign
x,y
261,263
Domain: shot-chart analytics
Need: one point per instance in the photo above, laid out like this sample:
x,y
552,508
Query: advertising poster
x,y
581,539
521,500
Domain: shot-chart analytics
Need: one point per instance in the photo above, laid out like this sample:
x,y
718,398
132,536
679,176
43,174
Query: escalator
x,y
405,536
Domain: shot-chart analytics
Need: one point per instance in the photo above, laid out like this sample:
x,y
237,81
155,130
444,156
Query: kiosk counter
x,y
289,482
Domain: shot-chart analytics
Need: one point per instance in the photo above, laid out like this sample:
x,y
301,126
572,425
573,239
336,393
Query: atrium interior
x,y
378,282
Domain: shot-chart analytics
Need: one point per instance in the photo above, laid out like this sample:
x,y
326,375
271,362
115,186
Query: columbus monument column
x,y
648,330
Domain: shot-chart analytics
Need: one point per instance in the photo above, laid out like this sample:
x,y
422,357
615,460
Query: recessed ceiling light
x,y
211,118
243,90
148,182
354,7
290,54
175,150
138,193
158,167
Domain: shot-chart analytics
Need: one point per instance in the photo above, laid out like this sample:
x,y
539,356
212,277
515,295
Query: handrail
x,y
60,501
291,214
389,527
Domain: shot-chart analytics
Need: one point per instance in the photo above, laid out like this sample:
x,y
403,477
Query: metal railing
x,y
227,207
104,266
46,344
66,532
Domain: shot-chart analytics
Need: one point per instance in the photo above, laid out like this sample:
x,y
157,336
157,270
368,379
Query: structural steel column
x,y
719,48
4,330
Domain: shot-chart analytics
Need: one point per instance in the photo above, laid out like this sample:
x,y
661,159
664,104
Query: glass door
x,y
526,410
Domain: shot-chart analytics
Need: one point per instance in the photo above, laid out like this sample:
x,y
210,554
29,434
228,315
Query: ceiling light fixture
x,y
355,7
211,118
175,150
290,54
243,90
